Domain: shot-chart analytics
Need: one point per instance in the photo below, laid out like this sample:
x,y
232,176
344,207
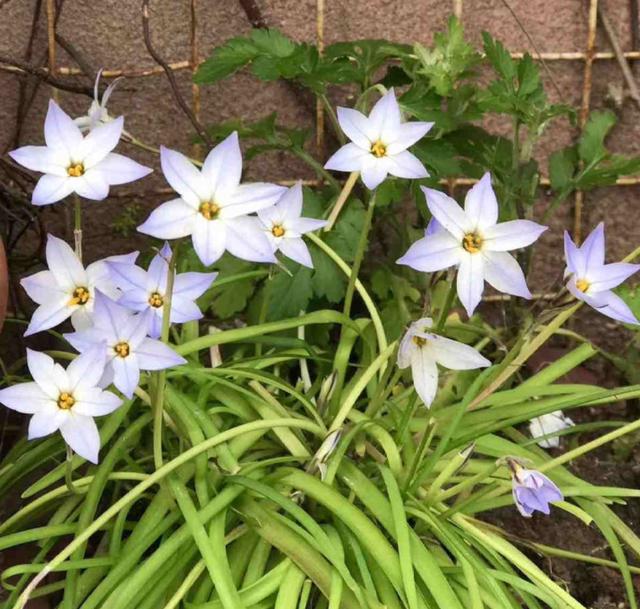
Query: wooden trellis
x,y
588,57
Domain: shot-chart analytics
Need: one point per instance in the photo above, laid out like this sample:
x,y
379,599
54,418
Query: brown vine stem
x,y
202,132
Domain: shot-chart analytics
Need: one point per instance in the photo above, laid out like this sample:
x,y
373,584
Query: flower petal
x,y
43,159
248,198
609,276
48,315
184,309
60,132
85,371
384,117
192,285
46,421
348,158
297,250
94,402
356,127
51,189
425,375
119,169
128,277
159,268
25,397
126,373
42,287
406,165
223,167
91,185
433,253
470,283
246,240
81,434
100,141
64,264
447,212
406,135
593,247
306,225
184,177
172,220
481,205
41,367
511,235
209,239
374,171
155,355
454,355
614,307
576,262
290,203
502,271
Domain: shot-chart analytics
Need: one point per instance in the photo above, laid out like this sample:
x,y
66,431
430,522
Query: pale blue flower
x,y
533,491
147,290
591,280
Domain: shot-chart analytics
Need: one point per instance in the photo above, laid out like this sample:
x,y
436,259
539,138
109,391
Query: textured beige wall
x,y
109,34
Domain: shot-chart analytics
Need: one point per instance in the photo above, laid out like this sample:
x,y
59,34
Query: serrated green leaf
x,y
225,60
591,144
290,293
562,166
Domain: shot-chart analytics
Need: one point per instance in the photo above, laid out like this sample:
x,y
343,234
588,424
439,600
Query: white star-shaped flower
x,y
379,143
284,226
67,289
474,241
213,206
65,400
423,350
72,162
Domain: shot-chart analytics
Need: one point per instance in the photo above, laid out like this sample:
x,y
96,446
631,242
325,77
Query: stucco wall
x,y
109,34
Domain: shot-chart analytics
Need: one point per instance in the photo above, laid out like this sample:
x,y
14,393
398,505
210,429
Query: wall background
x,y
108,34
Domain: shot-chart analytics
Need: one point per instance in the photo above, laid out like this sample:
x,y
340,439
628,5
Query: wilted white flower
x,y
97,113
549,423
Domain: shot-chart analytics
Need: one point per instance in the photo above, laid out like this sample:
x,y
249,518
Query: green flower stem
x,y
68,472
161,375
77,226
341,200
446,307
333,118
156,477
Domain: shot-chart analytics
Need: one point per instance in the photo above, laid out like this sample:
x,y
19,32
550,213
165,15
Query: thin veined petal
x,y
60,131
64,264
172,220
48,315
406,135
136,300
447,212
593,247
470,282
159,268
192,285
223,167
502,271
613,306
184,309
119,169
81,434
481,205
128,276
155,355
290,203
43,159
42,287
405,350
454,355
348,158
91,185
249,198
87,368
406,165
41,368
385,117
433,253
609,276
297,250
126,373
46,421
374,171
183,177
576,262
425,375
51,189
356,127
246,240
100,141
94,402
511,235
25,397
209,239
306,225
86,339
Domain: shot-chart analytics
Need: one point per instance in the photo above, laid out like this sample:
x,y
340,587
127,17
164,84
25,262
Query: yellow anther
x,y
156,300
80,296
122,349
582,285
209,210
378,149
75,170
277,230
65,401
472,242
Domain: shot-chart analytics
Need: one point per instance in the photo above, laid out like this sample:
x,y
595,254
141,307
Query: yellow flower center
x,y
80,296
472,242
378,149
75,170
122,349
209,210
418,340
65,401
277,230
582,285
156,300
